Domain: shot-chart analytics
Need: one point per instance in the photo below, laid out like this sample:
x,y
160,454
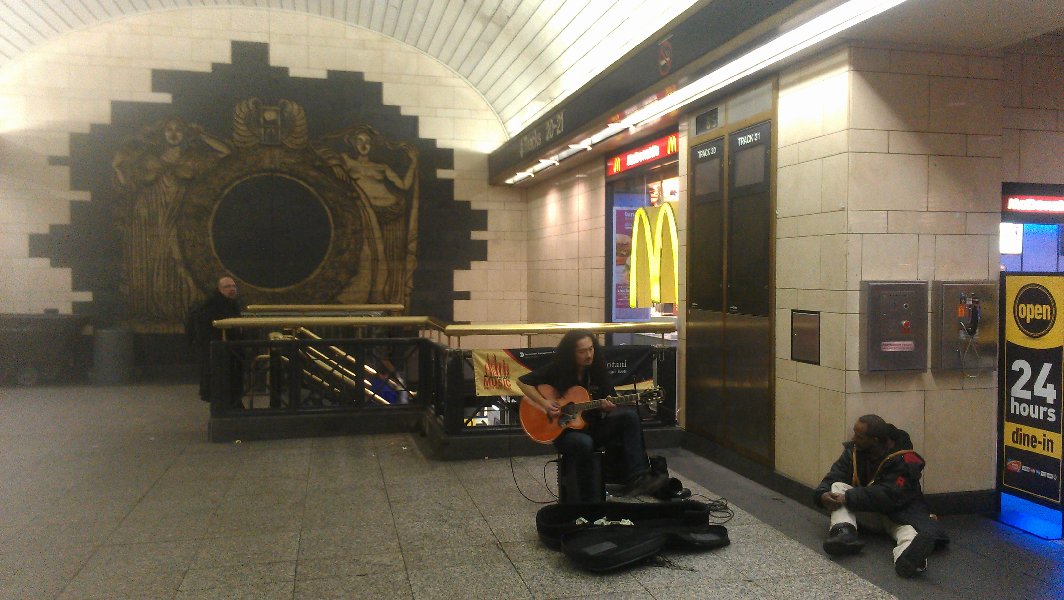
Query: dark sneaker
x,y
914,559
843,540
647,482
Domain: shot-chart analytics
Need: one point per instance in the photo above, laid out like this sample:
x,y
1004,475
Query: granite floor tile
x,y
160,529
32,585
470,530
815,586
380,586
243,576
280,590
672,568
433,557
528,551
460,582
343,542
247,549
118,582
358,566
557,577
174,556
715,589
632,595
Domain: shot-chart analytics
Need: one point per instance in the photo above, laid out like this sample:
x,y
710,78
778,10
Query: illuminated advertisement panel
x,y
1030,434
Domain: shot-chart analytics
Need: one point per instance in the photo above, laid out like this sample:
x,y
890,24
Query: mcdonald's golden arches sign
x,y
658,149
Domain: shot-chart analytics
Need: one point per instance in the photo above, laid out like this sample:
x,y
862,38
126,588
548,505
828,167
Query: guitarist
x,y
578,360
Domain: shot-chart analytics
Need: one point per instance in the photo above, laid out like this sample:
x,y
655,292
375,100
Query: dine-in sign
x,y
658,149
1032,384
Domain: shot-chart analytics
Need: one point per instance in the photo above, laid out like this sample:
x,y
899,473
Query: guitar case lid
x,y
655,526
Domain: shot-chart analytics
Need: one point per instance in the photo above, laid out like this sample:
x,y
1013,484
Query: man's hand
x,y
553,409
833,500
607,406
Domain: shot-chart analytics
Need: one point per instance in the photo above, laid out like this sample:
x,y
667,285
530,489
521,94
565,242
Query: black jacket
x,y
889,485
200,328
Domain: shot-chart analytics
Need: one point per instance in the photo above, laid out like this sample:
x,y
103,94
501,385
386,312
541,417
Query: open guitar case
x,y
605,536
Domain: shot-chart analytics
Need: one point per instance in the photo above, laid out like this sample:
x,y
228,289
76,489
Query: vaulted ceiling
x,y
524,56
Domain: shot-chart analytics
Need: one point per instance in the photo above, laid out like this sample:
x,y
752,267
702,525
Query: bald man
x,y
222,303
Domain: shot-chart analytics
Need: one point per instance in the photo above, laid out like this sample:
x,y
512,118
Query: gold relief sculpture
x,y
255,124
389,203
174,177
153,170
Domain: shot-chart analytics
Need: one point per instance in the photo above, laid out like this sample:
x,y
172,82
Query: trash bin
x,y
112,357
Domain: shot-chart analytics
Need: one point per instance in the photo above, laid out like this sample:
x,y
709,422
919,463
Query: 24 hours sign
x,y
1031,400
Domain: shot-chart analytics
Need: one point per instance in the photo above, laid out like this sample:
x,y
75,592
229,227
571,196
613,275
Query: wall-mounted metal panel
x,y
893,326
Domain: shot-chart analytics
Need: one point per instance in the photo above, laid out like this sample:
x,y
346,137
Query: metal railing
x,y
300,372
294,360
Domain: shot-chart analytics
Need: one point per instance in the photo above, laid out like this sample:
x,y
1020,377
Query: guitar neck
x,y
593,404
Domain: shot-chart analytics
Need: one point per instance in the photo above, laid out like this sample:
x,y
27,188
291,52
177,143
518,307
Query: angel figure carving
x,y
153,170
388,202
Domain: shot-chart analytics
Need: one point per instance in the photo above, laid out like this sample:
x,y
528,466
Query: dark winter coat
x,y
889,485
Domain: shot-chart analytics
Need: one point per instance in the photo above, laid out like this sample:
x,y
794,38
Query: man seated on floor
x,y
879,474
578,360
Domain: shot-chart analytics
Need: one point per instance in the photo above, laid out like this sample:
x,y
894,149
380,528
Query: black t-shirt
x,y
552,375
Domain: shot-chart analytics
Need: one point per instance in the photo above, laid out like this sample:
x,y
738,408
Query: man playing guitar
x,y
578,360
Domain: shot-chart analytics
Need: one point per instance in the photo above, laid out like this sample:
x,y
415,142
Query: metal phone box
x,y
893,326
964,326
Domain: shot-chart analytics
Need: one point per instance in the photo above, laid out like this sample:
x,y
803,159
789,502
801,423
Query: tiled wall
x,y
566,247
1032,145
68,84
889,168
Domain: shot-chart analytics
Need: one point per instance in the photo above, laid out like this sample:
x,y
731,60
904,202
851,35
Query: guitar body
x,y
543,429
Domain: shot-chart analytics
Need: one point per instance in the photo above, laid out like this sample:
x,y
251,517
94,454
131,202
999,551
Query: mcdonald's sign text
x,y
658,149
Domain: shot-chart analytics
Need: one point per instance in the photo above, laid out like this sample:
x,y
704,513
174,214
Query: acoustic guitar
x,y
544,429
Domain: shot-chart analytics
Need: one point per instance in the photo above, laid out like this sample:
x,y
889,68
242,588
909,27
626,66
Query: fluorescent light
x,y
787,44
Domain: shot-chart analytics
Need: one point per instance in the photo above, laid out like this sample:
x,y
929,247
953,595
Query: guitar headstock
x,y
654,394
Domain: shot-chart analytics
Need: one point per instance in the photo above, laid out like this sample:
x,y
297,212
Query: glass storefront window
x,y
648,187
1032,248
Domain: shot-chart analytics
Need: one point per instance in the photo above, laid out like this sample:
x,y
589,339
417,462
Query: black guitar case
x,y
657,526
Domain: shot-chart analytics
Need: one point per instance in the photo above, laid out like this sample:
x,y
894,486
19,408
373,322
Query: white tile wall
x,y
69,83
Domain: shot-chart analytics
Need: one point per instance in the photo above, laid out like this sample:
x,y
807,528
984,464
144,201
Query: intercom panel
x,y
964,326
893,326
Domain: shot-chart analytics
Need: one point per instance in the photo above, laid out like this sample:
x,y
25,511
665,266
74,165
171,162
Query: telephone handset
x,y
968,312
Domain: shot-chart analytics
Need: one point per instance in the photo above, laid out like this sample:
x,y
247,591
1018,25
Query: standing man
x,y
578,360
222,303
879,473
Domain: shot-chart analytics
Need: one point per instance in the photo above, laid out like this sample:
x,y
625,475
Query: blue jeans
x,y
578,446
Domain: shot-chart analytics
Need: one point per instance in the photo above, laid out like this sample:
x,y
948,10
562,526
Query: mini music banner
x,y
496,371
1031,385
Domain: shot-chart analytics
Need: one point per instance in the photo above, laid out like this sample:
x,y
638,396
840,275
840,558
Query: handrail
x,y
305,321
329,308
656,327
451,330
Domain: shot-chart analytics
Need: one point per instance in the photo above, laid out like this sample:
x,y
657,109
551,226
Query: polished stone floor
x,y
115,493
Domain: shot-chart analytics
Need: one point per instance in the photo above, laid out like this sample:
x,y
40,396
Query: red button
x,y
906,326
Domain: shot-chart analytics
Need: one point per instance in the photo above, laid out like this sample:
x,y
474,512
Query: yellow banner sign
x,y
496,373
1039,441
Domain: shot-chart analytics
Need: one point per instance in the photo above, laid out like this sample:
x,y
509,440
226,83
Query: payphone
x,y
964,329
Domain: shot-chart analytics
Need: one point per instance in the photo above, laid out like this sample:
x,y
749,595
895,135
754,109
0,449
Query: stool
x,y
569,485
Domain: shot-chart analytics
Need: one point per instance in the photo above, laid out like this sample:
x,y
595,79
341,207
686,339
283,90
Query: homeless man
x,y
879,474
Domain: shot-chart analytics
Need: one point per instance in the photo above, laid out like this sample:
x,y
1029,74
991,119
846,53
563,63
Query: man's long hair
x,y
565,359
